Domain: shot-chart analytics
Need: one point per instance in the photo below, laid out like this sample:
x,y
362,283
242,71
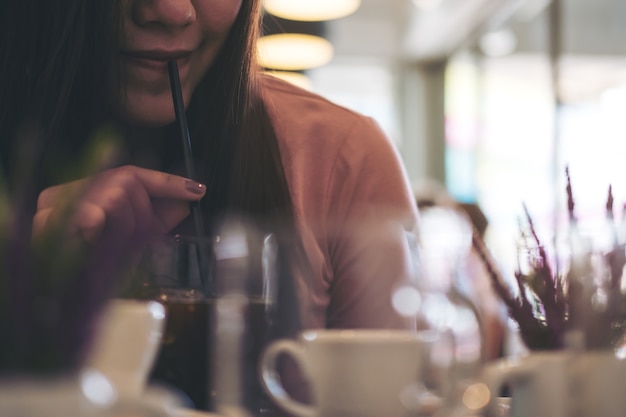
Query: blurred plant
x,y
551,305
51,289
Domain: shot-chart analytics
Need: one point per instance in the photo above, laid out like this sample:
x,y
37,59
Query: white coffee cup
x,y
561,384
350,372
126,343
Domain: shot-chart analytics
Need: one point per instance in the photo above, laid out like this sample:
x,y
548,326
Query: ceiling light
x,y
293,51
498,43
427,4
311,10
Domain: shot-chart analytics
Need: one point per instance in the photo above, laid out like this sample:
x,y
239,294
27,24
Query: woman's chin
x,y
149,113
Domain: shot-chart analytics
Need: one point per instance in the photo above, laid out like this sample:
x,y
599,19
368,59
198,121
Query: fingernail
x,y
195,187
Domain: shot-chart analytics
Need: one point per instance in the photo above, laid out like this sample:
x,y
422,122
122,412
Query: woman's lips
x,y
156,64
156,58
151,66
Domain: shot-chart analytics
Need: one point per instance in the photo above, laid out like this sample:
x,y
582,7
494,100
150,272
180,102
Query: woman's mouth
x,y
148,68
155,59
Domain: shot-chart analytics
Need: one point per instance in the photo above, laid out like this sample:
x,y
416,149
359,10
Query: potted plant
x,y
555,309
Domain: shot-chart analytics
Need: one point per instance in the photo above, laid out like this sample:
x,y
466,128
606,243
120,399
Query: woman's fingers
x,y
90,221
52,196
160,184
41,220
124,202
87,221
169,213
115,204
155,183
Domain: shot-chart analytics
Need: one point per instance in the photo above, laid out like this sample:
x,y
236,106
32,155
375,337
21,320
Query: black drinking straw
x,y
196,212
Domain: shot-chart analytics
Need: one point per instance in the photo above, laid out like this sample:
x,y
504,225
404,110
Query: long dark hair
x,y
58,67
240,162
237,154
240,159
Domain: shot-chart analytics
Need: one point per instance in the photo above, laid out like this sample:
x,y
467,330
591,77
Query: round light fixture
x,y
498,43
293,51
427,4
311,10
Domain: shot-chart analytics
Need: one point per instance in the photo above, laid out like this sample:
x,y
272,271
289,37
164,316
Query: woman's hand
x,y
126,203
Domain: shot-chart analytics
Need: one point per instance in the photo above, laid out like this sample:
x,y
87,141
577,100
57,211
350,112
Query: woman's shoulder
x,y
294,108
339,150
280,93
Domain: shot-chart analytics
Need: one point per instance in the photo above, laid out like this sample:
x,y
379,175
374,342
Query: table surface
x,y
186,412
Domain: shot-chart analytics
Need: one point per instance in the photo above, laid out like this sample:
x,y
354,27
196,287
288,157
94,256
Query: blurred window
x,y
366,87
506,144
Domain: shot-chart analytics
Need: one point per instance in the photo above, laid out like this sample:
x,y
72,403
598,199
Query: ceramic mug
x,y
126,343
350,372
561,384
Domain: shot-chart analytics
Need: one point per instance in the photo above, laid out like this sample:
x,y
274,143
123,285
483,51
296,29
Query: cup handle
x,y
271,381
499,372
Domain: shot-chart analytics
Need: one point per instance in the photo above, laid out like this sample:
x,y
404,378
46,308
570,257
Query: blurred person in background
x,y
472,279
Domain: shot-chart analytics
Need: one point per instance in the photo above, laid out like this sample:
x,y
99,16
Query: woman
x,y
261,146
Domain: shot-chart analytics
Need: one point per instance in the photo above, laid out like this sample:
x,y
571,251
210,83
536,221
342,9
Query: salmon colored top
x,y
353,203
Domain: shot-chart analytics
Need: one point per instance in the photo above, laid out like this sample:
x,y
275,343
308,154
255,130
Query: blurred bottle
x,y
212,342
255,304
439,250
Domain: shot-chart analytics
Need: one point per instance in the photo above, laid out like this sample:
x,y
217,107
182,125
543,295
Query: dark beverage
x,y
182,361
187,351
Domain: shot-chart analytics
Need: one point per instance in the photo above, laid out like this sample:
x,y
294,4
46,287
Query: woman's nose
x,y
170,14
